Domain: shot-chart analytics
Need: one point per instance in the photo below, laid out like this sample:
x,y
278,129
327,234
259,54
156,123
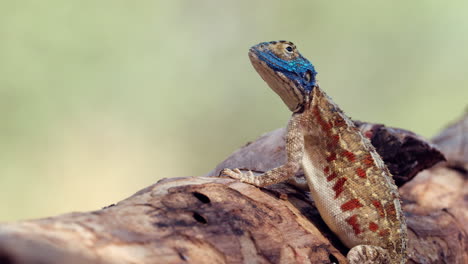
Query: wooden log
x,y
219,220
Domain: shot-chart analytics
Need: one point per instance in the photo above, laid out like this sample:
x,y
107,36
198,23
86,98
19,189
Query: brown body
x,y
351,186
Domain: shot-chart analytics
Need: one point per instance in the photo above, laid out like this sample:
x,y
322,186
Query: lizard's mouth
x,y
253,53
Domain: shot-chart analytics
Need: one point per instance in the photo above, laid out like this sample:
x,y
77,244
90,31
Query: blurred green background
x,y
99,99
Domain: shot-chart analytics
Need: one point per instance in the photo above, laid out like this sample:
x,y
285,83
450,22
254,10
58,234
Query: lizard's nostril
x,y
203,198
199,218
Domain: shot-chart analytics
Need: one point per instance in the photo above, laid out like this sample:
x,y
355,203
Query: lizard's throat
x,y
294,97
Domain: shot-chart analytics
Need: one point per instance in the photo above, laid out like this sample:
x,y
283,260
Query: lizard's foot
x,y
237,174
365,254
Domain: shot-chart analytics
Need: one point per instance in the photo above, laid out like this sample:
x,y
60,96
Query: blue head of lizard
x,y
285,70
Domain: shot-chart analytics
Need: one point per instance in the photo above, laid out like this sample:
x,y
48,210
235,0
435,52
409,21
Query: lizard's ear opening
x,y
308,80
308,76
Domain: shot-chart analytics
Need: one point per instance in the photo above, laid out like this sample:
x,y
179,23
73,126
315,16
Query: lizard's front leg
x,y
295,151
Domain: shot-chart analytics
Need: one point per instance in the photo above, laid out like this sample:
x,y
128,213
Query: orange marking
x,y
351,157
368,134
335,139
316,112
368,160
327,126
350,205
338,187
326,170
355,129
316,109
352,221
390,209
332,176
361,173
384,232
379,207
332,157
373,226
339,122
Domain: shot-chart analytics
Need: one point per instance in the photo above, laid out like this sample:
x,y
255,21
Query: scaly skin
x,y
351,186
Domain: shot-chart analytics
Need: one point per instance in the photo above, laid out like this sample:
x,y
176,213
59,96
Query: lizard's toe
x,y
228,173
366,254
246,176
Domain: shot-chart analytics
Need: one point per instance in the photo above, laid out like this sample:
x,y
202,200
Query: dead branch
x,y
217,220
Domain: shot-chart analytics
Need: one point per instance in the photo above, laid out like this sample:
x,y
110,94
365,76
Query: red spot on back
x,y
379,207
361,173
338,187
390,209
316,113
332,157
368,134
350,205
352,221
334,140
326,170
368,160
351,157
373,226
316,110
339,122
326,126
384,232
332,176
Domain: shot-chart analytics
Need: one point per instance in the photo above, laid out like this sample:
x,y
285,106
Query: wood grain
x,y
218,220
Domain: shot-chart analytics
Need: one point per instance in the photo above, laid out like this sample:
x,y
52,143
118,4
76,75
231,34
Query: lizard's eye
x,y
289,49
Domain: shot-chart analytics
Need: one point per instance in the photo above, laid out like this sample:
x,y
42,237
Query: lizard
x,y
351,186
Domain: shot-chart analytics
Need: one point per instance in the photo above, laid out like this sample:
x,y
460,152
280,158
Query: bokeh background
x,y
99,99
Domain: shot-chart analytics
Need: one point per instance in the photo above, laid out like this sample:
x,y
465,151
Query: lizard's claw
x,y
230,173
236,174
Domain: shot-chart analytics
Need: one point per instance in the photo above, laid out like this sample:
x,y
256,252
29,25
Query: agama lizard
x,y
350,184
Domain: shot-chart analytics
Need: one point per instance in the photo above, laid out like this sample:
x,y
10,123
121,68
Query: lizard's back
x,y
352,188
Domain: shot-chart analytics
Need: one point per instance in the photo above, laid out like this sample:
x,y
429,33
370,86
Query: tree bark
x,y
218,220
